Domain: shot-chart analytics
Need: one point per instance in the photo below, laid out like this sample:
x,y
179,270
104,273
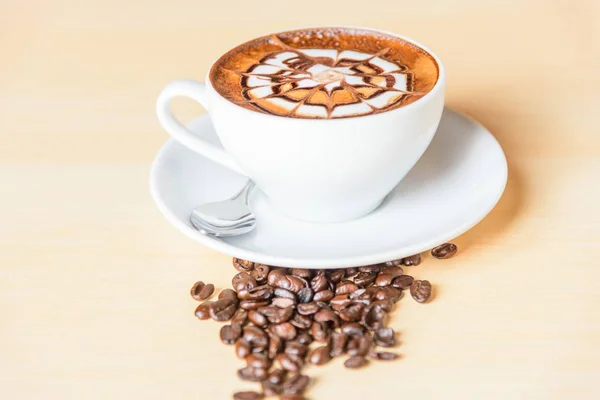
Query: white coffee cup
x,y
320,170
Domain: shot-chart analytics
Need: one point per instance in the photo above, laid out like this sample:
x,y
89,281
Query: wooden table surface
x,y
94,283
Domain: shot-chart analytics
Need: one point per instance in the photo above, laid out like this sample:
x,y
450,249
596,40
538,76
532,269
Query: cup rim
x,y
437,87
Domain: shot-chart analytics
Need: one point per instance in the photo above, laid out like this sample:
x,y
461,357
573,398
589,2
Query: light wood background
x,y
94,283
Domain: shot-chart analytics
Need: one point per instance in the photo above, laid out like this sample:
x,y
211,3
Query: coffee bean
x,y
365,278
323,305
253,304
271,389
296,384
252,374
248,396
260,273
375,268
319,331
203,310
337,343
352,313
301,321
285,330
374,317
307,308
259,293
242,348
337,275
412,260
356,294
281,315
275,345
275,274
445,250
284,293
350,272
258,360
222,310
297,348
345,287
323,295
352,345
257,318
402,281
320,355
384,337
327,316
355,362
386,356
243,281
305,295
277,376
386,304
283,302
242,265
386,276
353,328
286,363
288,282
256,337
302,273
319,283
303,337
230,333
340,302
365,343
420,291
197,291
394,263
228,294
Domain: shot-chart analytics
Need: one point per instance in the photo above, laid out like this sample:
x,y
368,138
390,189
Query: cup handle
x,y
196,91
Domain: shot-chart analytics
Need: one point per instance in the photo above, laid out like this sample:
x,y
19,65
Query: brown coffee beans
x,y
445,250
420,291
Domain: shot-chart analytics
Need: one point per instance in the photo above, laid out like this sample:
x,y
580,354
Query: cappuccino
x,y
325,73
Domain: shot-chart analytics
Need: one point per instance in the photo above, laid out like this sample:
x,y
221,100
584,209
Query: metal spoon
x,y
230,217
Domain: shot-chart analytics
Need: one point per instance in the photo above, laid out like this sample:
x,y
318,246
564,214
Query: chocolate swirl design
x,y
325,83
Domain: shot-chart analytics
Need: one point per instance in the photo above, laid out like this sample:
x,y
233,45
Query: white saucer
x,y
457,182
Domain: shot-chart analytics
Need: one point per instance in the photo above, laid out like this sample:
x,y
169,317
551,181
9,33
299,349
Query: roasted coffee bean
x,y
283,302
386,356
284,293
410,261
277,376
257,337
252,374
281,315
323,305
242,265
230,333
288,282
319,331
356,294
355,362
337,275
303,337
319,283
258,360
297,348
296,359
307,308
252,304
271,389
445,250
296,384
352,345
337,343
305,295
323,295
201,291
285,330
302,273
374,317
402,282
365,278
394,263
386,304
275,346
242,348
228,294
386,276
275,274
375,268
340,302
286,363
350,272
345,287
203,310
257,318
353,329
243,281
301,321
222,310
249,395
327,316
388,293
352,313
420,291
291,397
384,337
365,343
260,273
259,293
320,355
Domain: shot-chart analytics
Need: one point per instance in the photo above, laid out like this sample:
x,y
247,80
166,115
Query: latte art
x,y
325,83
325,73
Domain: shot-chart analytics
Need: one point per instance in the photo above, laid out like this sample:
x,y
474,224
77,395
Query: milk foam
x,y
325,83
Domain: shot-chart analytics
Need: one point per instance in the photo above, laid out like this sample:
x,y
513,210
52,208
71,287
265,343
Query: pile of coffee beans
x,y
284,318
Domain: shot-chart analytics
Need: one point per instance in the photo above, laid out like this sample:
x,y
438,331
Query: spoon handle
x,y
244,192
